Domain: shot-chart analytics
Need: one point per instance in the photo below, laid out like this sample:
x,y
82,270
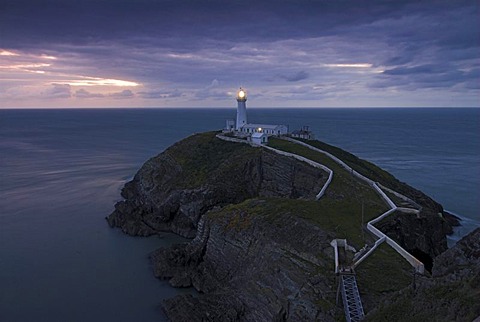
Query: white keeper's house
x,y
255,132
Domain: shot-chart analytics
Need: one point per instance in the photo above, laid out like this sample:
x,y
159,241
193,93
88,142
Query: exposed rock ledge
x,y
451,295
250,268
247,265
171,192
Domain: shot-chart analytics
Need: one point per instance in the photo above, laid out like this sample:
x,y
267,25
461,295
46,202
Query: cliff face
x,y
262,244
450,295
174,189
422,235
251,268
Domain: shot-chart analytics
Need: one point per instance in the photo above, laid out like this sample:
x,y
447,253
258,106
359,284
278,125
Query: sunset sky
x,y
295,53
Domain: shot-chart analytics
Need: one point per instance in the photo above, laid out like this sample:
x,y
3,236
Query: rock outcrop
x,y
251,268
422,235
452,294
174,189
261,250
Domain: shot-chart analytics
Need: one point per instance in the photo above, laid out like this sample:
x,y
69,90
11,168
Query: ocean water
x,y
61,172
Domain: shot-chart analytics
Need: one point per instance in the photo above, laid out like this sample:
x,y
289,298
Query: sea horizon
x,y
63,169
230,107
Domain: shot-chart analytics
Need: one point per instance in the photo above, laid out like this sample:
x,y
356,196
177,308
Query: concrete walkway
x,y
288,154
418,265
352,303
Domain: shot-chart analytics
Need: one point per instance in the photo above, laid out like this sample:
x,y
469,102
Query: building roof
x,y
301,132
258,134
263,126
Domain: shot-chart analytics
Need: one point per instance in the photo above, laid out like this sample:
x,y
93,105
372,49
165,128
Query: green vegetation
x,y
384,271
339,211
343,219
398,201
456,300
364,167
209,154
342,203
369,170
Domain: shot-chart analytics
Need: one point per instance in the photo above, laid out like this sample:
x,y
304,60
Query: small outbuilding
x,y
259,138
269,129
303,133
230,126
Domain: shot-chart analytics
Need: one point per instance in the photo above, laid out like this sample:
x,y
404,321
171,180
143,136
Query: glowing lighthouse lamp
x,y
241,109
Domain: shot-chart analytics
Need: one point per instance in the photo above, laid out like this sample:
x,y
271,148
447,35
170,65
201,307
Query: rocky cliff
x,y
251,267
452,294
261,250
174,189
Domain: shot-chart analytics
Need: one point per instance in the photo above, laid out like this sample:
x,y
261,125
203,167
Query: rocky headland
x,y
261,242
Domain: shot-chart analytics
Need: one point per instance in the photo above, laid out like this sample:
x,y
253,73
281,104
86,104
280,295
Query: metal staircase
x,y
352,303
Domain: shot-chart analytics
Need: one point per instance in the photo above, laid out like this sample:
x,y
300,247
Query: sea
x,y
61,172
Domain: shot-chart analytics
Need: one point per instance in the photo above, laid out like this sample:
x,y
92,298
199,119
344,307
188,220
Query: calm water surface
x,y
61,172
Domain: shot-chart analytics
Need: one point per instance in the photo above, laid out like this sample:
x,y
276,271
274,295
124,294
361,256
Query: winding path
x,y
418,265
288,154
351,297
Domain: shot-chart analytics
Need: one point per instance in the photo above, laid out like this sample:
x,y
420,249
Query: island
x,y
261,236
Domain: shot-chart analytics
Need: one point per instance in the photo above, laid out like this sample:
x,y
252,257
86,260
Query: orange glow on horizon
x,y
360,65
95,81
7,53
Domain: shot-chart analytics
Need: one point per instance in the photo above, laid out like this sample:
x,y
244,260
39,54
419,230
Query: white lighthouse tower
x,y
241,109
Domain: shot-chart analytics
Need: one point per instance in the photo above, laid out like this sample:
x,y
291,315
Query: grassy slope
x,y
339,211
203,153
454,301
342,203
385,271
366,168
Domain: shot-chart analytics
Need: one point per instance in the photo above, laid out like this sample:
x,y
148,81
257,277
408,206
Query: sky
x,y
196,53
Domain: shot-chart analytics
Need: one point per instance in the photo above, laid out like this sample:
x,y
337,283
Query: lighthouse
x,y
254,132
241,109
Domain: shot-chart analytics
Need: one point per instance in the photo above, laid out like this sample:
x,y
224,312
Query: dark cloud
x,y
188,23
58,91
301,75
161,94
82,93
399,60
428,77
423,69
126,93
181,46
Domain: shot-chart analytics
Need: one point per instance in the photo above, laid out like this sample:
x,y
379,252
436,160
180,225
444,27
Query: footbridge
x,y
344,263
352,303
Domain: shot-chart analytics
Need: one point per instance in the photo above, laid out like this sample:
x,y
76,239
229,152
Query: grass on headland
x,y
210,154
330,215
369,170
344,197
364,167
383,272
339,211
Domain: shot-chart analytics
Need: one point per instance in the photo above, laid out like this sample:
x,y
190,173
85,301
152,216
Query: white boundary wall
x,y
409,257
334,158
370,251
334,244
339,243
288,154
310,162
399,195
